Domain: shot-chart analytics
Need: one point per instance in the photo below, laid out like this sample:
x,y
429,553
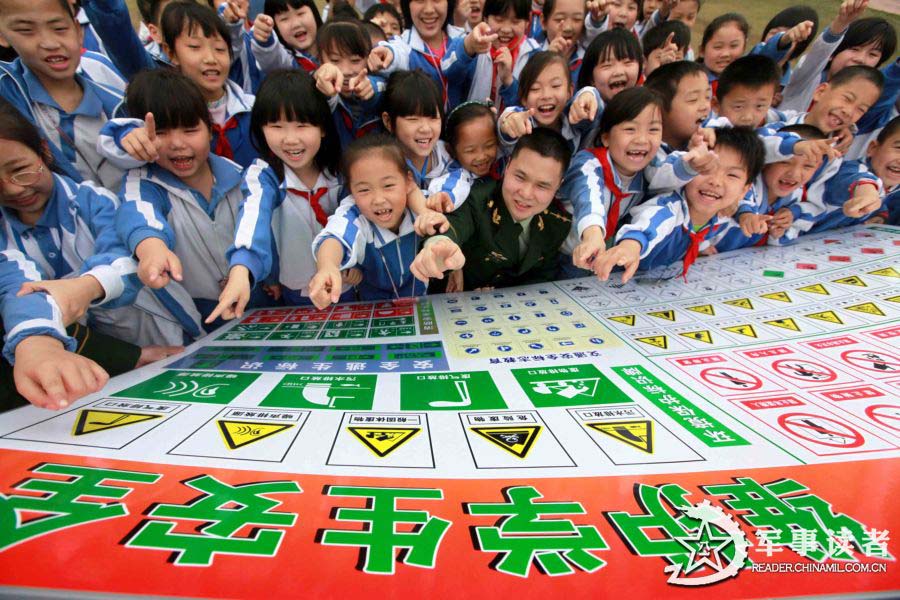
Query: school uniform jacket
x,y
353,117
28,315
662,226
157,204
810,72
245,70
76,235
71,137
112,23
272,55
829,213
278,222
489,238
477,72
383,256
412,53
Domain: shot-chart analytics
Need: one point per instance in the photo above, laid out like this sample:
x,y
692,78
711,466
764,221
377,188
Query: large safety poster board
x,y
737,432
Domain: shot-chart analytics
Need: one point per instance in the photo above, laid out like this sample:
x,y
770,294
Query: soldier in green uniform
x,y
508,232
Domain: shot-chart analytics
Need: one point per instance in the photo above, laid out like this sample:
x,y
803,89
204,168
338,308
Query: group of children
x,y
156,183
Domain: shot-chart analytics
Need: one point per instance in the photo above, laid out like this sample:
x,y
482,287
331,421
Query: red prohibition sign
x,y
881,362
821,430
885,414
804,370
731,379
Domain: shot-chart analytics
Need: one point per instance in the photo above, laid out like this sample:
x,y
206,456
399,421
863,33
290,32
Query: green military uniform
x,y
489,238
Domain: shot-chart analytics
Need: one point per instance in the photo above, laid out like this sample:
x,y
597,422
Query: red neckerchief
x,y
307,64
434,59
496,172
223,146
693,250
609,180
714,84
313,199
514,46
575,65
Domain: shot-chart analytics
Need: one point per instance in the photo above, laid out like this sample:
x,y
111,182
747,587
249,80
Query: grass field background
x,y
757,12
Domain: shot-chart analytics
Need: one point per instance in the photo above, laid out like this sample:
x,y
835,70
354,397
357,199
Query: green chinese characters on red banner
x,y
191,386
380,537
526,534
71,496
703,544
339,392
571,385
473,390
223,510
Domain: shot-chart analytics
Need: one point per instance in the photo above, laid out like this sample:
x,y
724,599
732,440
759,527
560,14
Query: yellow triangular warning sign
x,y
637,434
660,341
627,319
747,330
703,309
237,434
384,440
816,288
893,299
868,307
701,336
788,323
779,296
515,440
92,421
852,280
826,315
741,303
668,315
886,272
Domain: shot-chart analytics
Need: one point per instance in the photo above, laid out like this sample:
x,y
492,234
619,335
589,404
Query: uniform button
x,y
51,254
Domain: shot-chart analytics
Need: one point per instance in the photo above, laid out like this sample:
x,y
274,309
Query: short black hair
x,y
341,10
498,8
366,146
616,42
753,71
183,17
889,131
175,100
292,94
374,31
344,37
664,80
848,74
807,132
657,36
627,105
536,64
746,142
276,7
546,142
407,13
412,93
462,114
720,22
789,17
16,127
378,8
865,31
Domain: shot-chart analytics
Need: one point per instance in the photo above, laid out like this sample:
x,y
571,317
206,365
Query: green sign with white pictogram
x,y
571,385
191,386
339,392
473,390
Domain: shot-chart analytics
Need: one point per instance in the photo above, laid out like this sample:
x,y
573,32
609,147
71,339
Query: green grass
x,y
757,13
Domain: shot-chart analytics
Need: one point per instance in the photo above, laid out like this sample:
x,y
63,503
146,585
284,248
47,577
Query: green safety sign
x,y
571,385
340,392
473,390
191,386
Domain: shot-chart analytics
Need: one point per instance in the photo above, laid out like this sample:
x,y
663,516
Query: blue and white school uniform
x,y
840,188
663,228
353,117
811,70
411,53
91,41
271,55
112,24
28,315
383,256
72,137
277,224
435,165
158,204
758,202
477,72
76,235
244,70
535,30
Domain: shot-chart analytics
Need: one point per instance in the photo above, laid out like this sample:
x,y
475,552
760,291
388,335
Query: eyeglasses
x,y
25,178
